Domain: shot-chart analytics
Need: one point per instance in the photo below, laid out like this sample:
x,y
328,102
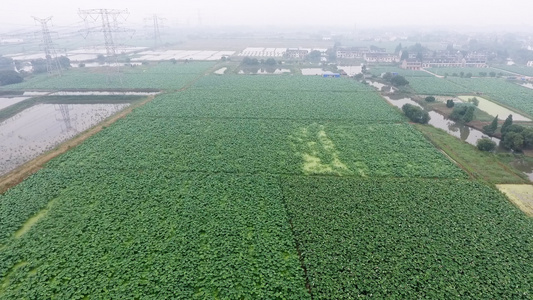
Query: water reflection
x,y
41,127
524,166
465,133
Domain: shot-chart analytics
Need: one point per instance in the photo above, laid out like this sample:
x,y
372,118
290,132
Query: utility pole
x,y
109,19
52,63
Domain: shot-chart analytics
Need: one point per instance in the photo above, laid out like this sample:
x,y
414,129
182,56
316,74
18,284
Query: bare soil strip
x,y
520,195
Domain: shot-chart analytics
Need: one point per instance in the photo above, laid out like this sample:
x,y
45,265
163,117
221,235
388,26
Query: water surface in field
x,y
524,166
465,133
494,109
6,102
42,127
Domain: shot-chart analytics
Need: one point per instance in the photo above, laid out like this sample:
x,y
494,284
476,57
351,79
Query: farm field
x,y
252,187
473,71
378,70
501,91
528,71
163,75
409,238
436,86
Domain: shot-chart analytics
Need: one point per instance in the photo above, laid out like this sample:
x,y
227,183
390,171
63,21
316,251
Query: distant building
x,y
358,52
297,53
411,64
381,57
530,63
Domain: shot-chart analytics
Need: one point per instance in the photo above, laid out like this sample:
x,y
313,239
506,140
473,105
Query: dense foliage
x,y
486,144
416,114
228,188
435,86
160,76
409,239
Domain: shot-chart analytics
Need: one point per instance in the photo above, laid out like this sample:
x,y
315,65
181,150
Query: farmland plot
x,y
155,234
409,238
161,76
501,91
436,86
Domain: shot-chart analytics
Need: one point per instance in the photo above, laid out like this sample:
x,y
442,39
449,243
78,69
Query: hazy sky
x,y
365,14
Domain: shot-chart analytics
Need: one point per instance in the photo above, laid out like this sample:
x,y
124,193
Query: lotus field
x,y
249,187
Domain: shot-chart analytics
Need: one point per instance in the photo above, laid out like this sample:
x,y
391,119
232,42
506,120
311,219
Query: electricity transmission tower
x,y
156,24
109,27
52,63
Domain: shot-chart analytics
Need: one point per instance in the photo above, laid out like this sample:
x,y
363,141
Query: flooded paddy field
x,y
6,102
41,127
494,109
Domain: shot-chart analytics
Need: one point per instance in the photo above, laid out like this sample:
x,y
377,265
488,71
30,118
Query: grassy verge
x,y
481,165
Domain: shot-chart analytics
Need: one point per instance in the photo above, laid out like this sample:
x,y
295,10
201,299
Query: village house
x,y
411,64
297,53
530,63
380,57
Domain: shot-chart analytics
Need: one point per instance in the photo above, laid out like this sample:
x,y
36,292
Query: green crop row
x,y
436,86
409,239
158,76
296,105
267,84
154,234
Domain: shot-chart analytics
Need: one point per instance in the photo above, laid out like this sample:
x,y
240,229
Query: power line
x,y
109,27
52,63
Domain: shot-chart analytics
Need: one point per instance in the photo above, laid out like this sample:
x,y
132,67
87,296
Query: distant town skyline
x,y
369,14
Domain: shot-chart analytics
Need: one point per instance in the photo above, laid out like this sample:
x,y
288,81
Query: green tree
x,y
39,66
398,48
449,103
430,99
474,101
485,144
490,129
416,114
468,75
513,140
405,55
9,77
508,122
6,63
469,114
271,62
314,55
492,74
399,80
64,62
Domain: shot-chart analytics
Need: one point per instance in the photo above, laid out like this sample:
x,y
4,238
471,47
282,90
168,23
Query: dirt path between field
x,y
22,172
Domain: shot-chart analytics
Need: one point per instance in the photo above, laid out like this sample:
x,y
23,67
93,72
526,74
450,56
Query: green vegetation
x,y
409,238
463,113
481,165
430,99
9,77
378,70
492,127
416,114
436,86
486,144
279,187
501,91
160,76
